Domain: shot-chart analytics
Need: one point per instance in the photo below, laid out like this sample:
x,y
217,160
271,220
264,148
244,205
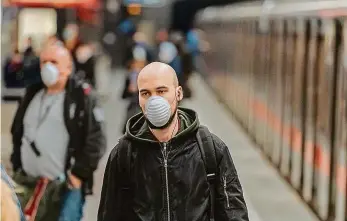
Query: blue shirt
x,y
176,64
193,43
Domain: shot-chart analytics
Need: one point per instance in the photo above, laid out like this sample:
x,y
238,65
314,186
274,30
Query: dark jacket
x,y
87,142
13,75
86,69
184,178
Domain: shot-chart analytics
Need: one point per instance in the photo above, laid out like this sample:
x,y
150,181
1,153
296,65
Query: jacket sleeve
x,y
109,204
230,204
88,157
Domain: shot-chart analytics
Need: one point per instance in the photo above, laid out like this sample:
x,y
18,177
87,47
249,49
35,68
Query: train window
x,y
297,102
326,81
277,96
298,71
314,49
341,133
326,91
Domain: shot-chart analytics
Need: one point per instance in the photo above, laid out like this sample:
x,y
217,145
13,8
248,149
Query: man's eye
x,y
145,94
161,92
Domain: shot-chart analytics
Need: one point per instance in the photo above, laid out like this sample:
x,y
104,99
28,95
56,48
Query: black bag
x,y
208,153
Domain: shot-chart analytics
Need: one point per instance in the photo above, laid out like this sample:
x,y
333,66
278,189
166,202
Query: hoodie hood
x,y
137,127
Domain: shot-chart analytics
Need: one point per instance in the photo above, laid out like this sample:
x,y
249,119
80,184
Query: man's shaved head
x,y
159,79
57,53
158,70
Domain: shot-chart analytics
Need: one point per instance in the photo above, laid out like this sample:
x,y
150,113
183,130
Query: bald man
x,y
167,166
58,140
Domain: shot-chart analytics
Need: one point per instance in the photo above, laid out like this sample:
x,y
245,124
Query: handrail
x,y
270,9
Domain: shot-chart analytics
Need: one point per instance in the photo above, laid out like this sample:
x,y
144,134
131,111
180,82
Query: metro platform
x,y
268,196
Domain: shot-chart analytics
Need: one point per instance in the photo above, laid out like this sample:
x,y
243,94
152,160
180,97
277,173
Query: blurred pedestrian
x,y
13,70
83,54
85,62
29,50
139,49
58,140
161,36
31,64
139,53
187,52
133,106
168,54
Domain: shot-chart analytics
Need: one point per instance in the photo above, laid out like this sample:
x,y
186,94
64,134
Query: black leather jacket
x,y
176,192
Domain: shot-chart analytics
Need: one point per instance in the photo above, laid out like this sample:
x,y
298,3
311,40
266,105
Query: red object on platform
x,y
87,10
55,3
32,206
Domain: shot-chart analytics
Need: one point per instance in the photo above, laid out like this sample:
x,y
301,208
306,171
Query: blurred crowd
x,y
22,68
61,110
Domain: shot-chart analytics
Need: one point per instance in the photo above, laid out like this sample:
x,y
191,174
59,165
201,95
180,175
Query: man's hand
x,y
74,182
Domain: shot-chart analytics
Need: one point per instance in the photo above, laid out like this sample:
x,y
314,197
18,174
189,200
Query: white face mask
x,y
49,74
158,112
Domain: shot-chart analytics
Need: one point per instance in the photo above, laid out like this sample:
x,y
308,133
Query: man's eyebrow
x,y
161,87
143,90
49,60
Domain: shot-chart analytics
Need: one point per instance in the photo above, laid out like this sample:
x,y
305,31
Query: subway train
x,y
285,79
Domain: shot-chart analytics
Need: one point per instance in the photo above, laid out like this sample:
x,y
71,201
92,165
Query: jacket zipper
x,y
225,190
165,156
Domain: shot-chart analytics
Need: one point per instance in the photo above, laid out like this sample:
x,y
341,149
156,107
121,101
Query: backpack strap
x,y
74,103
208,154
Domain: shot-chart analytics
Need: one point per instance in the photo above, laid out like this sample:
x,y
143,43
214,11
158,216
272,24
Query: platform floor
x,y
268,197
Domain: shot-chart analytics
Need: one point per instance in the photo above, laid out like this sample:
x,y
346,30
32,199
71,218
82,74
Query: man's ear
x,y
179,93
